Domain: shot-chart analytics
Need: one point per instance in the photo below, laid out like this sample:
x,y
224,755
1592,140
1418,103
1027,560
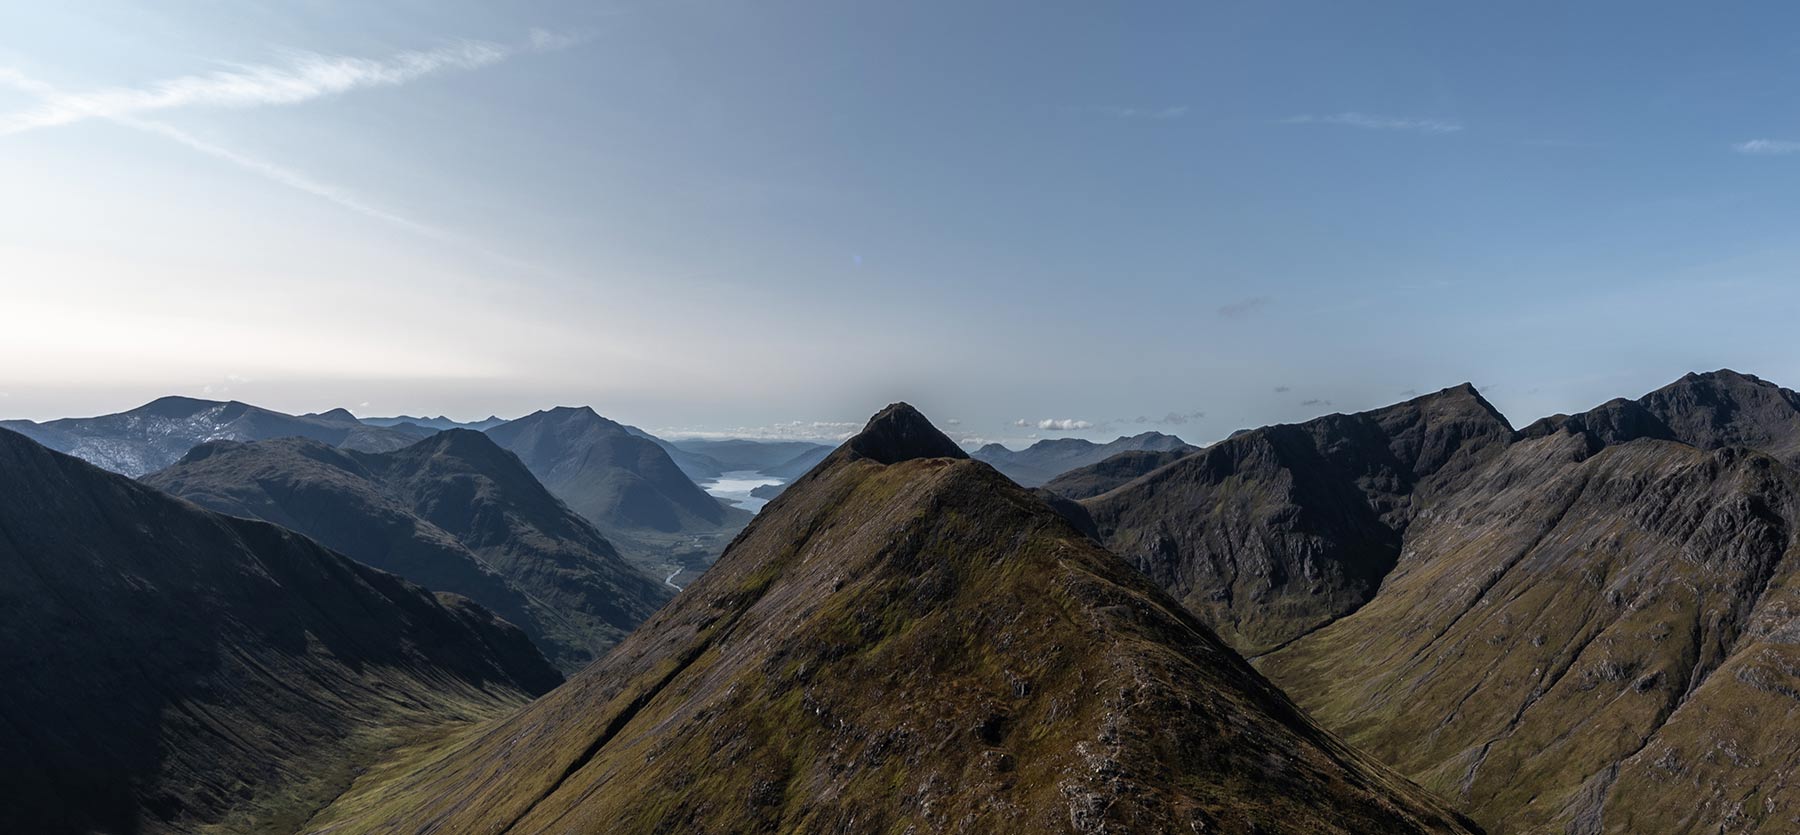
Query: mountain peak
x,y
899,433
338,414
175,406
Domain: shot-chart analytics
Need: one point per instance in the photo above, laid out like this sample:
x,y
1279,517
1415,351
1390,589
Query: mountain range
x,y
904,641
453,512
439,422
154,435
172,670
1042,461
1586,626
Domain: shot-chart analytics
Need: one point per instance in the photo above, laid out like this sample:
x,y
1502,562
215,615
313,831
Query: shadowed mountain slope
x,y
1277,531
1047,459
173,670
905,641
1112,473
1597,643
453,512
155,435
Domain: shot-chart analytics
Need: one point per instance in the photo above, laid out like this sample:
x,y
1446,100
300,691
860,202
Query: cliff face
x,y
1277,531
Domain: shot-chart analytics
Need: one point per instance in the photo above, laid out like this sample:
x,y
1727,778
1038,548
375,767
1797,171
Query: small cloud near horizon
x,y
1054,424
1282,389
1315,402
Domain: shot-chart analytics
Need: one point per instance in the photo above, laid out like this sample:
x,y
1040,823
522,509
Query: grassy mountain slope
x,y
453,512
173,670
905,641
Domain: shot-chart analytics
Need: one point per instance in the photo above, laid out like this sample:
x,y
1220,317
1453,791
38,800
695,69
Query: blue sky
x,y
773,218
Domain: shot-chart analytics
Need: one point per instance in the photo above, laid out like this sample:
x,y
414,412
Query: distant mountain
x,y
171,670
1112,473
1595,631
453,512
905,641
153,436
790,470
760,456
1047,459
1275,532
625,484
439,422
695,466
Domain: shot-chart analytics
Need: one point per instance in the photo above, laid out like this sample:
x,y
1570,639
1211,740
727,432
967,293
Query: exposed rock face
x,y
1708,411
1549,651
1045,460
454,513
1112,473
155,435
904,641
1277,531
168,669
1594,631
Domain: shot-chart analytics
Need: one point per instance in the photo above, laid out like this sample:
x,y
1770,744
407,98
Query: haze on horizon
x,y
732,218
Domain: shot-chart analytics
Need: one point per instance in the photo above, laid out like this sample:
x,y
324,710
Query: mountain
x,y
761,456
453,512
154,435
625,484
440,422
904,641
172,670
1595,631
695,466
1047,459
1112,473
1706,411
1275,532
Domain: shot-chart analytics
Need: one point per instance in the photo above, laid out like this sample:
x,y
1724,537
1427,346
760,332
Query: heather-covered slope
x,y
153,436
1595,633
1047,459
1277,531
170,670
905,641
453,512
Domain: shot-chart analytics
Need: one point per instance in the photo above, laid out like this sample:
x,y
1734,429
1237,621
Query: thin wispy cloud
x,y
1169,112
1768,147
1170,419
1369,121
1054,424
301,77
1244,307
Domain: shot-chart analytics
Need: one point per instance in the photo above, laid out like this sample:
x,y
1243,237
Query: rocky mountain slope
x,y
905,641
1047,459
1277,531
1596,631
171,670
153,436
454,513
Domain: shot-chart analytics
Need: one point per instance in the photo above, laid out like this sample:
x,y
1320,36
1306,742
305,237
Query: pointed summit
x,y
899,433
